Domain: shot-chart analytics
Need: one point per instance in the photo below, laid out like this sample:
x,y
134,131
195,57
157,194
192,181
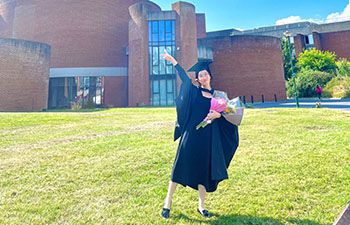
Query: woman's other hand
x,y
166,56
213,115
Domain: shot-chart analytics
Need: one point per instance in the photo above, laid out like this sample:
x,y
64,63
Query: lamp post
x,y
287,35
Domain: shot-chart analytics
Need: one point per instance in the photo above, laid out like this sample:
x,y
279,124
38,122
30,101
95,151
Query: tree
x,y
314,59
287,49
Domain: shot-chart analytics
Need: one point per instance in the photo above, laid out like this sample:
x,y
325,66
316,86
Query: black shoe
x,y
165,213
204,213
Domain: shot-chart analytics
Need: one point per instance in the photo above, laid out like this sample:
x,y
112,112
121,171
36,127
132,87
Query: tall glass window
x,y
162,74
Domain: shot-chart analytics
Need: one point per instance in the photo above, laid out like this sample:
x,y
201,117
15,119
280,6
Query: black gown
x,y
203,155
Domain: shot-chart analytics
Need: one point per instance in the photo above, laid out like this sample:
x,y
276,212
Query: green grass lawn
x,y
113,167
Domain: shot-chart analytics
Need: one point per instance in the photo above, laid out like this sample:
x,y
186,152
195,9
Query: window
x,y
161,31
63,91
291,40
309,41
162,73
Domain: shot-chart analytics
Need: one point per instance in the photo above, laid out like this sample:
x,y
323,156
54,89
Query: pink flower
x,y
216,104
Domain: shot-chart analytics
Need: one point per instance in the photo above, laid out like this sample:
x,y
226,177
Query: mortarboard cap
x,y
202,64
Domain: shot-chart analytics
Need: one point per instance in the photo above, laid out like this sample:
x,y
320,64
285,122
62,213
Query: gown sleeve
x,y
182,74
224,145
229,139
228,130
183,101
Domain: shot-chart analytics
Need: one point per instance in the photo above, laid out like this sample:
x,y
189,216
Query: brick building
x,y
337,42
334,37
108,52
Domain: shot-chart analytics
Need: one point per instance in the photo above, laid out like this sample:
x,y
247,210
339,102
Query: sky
x,y
248,14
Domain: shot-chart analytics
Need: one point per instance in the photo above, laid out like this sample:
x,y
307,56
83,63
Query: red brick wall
x,y
24,75
248,66
92,33
201,28
116,91
337,42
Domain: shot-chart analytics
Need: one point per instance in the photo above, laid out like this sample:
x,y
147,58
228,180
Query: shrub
x,y
76,104
90,104
306,81
343,67
313,59
338,87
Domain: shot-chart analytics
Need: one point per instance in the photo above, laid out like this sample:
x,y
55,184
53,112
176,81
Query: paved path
x,y
341,104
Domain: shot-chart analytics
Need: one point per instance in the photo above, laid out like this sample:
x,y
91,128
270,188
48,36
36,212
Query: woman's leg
x,y
201,197
169,196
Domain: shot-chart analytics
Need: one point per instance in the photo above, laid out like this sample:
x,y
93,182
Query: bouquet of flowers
x,y
217,104
232,109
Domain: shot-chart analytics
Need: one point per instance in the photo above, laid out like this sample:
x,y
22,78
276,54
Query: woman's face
x,y
204,77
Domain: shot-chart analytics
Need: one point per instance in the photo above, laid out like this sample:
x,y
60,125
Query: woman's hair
x,y
207,69
197,73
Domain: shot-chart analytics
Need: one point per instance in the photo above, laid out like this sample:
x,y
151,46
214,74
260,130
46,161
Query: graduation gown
x,y
203,155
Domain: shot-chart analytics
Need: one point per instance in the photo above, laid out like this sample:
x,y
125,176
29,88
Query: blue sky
x,y
247,14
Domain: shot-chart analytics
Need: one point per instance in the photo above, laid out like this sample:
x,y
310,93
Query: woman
x,y
203,155
319,91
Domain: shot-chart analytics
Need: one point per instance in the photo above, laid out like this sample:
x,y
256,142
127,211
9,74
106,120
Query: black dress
x,y
203,155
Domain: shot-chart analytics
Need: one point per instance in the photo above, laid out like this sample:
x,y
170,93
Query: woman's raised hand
x,y
166,56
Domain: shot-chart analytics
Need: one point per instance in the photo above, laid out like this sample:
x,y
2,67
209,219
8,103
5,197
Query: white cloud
x,y
290,19
296,19
336,17
239,29
333,17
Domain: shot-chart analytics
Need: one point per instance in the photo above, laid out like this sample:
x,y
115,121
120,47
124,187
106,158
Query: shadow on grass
x,y
76,111
104,109
245,219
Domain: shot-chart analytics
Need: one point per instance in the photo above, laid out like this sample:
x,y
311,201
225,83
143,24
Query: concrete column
x,y
299,44
186,35
317,40
138,73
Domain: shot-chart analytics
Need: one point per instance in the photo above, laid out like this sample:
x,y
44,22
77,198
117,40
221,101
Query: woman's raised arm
x,y
182,73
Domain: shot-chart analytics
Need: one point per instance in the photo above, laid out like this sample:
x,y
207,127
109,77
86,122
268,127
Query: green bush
x,y
338,87
326,94
76,106
90,104
343,67
306,81
313,59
